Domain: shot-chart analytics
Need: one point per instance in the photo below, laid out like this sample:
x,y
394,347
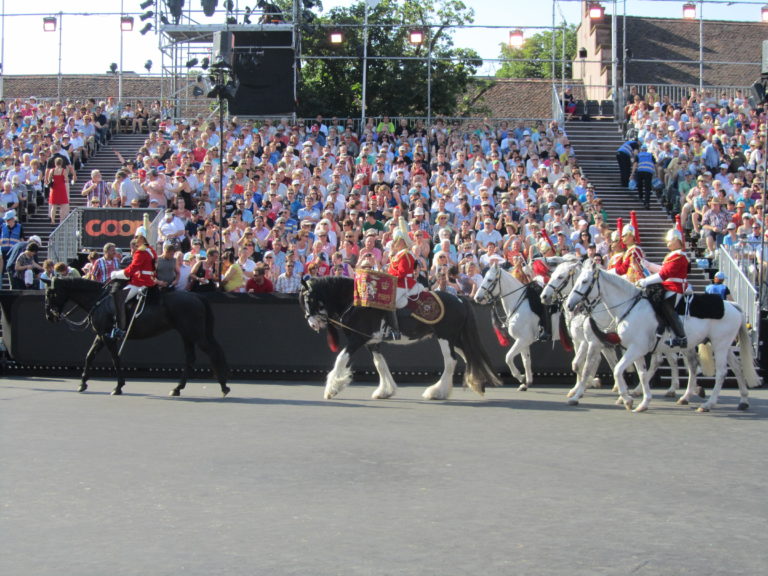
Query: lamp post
x,y
2,46
50,23
369,4
689,13
126,25
417,38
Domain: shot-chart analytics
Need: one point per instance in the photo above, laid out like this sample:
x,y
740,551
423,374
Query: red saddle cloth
x,y
375,289
426,307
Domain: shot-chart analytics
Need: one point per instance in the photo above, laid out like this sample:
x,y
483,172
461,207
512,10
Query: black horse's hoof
x,y
701,392
224,391
117,392
743,406
83,387
175,392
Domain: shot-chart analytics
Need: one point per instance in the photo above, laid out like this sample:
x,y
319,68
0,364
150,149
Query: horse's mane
x,y
335,291
618,281
77,284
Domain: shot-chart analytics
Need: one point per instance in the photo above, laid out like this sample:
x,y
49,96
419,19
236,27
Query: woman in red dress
x,y
58,199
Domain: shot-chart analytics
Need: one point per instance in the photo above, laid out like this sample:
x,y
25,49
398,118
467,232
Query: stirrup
x,y
677,342
393,335
117,333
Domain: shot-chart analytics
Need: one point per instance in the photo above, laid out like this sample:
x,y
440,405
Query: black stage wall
x,y
261,334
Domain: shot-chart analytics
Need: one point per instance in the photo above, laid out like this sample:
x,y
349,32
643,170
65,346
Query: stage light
x,y
148,65
596,11
191,63
126,23
206,62
146,4
337,37
416,37
147,28
689,11
516,38
197,92
209,7
49,24
146,16
764,13
113,68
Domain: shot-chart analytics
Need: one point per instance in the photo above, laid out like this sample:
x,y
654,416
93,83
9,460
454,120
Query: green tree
x,y
331,76
534,58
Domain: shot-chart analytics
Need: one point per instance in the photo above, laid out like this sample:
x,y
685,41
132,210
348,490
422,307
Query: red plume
x,y
620,229
548,239
633,221
679,226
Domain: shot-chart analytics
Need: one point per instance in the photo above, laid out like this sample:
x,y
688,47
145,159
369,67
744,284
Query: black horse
x,y
188,314
327,303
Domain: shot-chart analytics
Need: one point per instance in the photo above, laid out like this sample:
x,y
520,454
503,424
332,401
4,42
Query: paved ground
x,y
276,481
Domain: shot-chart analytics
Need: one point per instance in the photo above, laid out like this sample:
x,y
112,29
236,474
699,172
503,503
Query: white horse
x,y
587,345
522,324
636,325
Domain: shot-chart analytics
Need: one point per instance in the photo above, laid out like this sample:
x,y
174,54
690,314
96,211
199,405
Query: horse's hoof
x,y
619,401
522,387
328,395
670,394
224,391
174,392
82,388
628,403
702,409
701,392
117,392
743,406
597,383
570,394
573,402
641,408
636,394
682,402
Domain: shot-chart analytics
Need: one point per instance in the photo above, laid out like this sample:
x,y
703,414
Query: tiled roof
x,y
677,39
513,98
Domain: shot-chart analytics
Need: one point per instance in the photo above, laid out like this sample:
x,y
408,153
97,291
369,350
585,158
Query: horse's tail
x,y
746,356
212,347
706,359
479,370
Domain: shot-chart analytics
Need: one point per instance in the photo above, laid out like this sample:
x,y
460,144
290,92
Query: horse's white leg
x,y
691,362
592,360
510,360
339,377
443,388
674,372
721,370
645,375
525,354
577,364
387,386
735,364
618,377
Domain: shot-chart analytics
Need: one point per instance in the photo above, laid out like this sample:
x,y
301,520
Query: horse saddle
x,y
427,307
708,306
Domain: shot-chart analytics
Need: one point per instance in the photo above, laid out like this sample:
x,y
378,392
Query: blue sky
x,y
91,43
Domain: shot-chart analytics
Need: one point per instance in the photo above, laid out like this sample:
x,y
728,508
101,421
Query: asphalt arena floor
x,y
273,480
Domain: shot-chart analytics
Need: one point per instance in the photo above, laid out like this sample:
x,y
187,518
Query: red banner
x,y
375,289
116,225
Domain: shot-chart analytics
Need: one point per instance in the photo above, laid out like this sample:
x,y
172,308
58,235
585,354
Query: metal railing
x,y
743,291
64,241
557,107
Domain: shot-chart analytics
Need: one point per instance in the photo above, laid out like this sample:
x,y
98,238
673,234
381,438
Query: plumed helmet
x,y
674,234
140,231
628,230
401,233
544,246
615,236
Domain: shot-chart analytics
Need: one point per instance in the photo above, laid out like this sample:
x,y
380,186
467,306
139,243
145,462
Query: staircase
x,y
106,161
595,145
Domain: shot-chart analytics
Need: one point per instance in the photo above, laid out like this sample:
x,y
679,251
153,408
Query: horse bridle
x,y
589,305
558,292
495,301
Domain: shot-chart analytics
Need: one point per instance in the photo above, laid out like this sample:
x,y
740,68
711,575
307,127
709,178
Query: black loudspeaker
x,y
223,47
266,82
758,93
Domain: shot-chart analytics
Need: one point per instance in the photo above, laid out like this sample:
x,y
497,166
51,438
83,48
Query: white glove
x,y
640,283
118,275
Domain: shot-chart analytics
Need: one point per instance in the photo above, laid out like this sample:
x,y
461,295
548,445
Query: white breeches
x,y
401,299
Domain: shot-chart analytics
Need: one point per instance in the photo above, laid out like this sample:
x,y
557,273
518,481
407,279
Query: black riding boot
x,y
394,325
121,322
670,315
546,324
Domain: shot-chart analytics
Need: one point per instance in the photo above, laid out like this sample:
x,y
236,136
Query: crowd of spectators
x,y
709,156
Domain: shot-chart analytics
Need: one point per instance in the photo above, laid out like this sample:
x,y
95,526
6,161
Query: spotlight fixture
x,y
148,65
164,20
205,63
49,24
416,37
337,37
113,67
191,63
126,23
764,13
147,28
146,16
596,11
209,7
516,38
689,11
197,92
146,4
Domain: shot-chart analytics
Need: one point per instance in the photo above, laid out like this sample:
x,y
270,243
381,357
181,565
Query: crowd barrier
x,y
264,336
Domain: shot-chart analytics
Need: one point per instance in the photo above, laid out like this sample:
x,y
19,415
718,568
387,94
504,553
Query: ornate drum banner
x,y
102,225
375,289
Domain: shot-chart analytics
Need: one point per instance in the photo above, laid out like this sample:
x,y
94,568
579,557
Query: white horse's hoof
x,y
641,408
522,387
619,401
615,389
670,394
381,396
573,402
329,395
570,394
702,409
743,406
682,401
597,383
628,403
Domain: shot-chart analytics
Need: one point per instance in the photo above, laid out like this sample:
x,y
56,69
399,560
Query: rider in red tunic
x,y
402,265
140,274
673,277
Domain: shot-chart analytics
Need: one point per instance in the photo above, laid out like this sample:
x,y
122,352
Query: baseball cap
x,y
721,276
731,226
36,239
